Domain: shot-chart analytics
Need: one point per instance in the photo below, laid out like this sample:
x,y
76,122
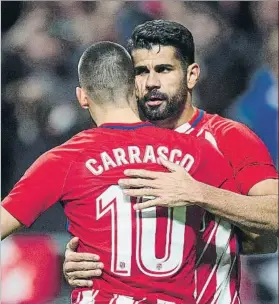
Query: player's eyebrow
x,y
141,68
164,65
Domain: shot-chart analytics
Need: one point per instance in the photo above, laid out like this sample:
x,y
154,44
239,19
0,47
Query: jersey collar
x,y
126,126
132,126
192,123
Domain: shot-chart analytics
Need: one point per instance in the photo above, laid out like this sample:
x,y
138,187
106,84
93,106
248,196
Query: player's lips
x,y
154,102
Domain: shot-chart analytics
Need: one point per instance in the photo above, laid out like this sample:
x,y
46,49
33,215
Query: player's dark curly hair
x,y
164,33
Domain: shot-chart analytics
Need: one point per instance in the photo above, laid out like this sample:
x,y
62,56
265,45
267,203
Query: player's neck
x,y
123,115
173,123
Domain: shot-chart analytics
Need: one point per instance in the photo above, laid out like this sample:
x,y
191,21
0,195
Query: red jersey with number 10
x,y
149,255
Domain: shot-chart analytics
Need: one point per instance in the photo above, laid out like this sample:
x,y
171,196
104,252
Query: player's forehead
x,y
157,55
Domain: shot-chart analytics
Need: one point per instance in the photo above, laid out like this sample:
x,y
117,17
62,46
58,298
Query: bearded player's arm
x,y
255,212
39,188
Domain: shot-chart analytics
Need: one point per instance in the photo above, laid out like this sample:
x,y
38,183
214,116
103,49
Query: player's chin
x,y
154,116
156,111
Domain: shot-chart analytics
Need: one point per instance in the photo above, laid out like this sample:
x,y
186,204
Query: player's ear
x,y
193,73
82,98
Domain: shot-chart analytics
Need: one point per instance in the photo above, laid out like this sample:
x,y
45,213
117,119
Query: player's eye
x,y
141,71
163,69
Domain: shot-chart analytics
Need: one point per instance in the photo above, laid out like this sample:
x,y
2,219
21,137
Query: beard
x,y
170,107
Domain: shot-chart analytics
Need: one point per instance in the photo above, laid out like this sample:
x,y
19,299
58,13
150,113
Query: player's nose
x,y
152,82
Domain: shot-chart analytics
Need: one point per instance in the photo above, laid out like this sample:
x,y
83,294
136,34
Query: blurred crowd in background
x,y
236,47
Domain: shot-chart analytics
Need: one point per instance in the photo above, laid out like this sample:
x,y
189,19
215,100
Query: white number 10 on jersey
x,y
114,201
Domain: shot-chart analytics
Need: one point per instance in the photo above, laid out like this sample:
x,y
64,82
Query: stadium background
x,y
237,48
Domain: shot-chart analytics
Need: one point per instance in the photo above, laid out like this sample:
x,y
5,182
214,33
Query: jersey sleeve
x,y
248,156
213,169
40,187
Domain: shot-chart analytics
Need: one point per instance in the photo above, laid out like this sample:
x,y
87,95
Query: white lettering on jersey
x,y
113,201
171,262
90,166
107,161
187,162
173,154
120,157
162,151
133,154
119,205
149,155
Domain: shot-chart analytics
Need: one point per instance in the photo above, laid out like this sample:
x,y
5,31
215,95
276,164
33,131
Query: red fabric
x,y
244,150
217,268
135,264
30,270
39,188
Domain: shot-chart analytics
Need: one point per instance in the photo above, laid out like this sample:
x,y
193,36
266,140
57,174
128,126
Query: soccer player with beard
x,y
151,253
166,74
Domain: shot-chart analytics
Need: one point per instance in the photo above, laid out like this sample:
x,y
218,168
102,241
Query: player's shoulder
x,y
221,125
171,136
226,132
73,147
64,155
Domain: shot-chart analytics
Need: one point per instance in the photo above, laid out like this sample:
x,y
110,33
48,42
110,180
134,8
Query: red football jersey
x,y
149,255
251,163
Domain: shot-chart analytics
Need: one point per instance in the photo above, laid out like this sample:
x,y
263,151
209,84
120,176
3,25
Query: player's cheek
x,y
140,86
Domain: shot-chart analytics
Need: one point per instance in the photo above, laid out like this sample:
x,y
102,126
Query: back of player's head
x,y
106,71
164,33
